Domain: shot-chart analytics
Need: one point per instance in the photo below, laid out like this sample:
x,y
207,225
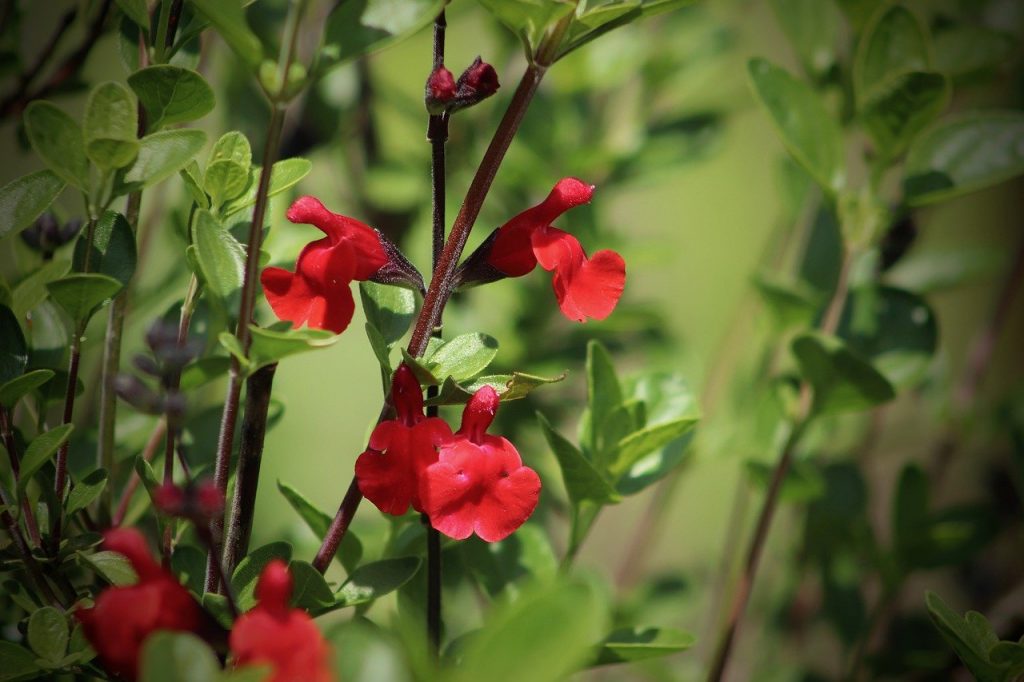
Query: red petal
x,y
592,290
557,249
362,244
332,311
511,501
290,643
479,413
274,587
288,295
386,480
132,544
407,396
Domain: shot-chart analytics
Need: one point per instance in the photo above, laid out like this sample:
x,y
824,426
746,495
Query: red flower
x,y
585,287
317,293
479,483
400,449
275,634
123,617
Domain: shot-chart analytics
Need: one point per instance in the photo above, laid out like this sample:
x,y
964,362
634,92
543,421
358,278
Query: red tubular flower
x,y
123,617
585,287
400,449
479,484
317,293
274,634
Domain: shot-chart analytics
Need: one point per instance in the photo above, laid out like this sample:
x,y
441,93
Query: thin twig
x,y
7,434
148,452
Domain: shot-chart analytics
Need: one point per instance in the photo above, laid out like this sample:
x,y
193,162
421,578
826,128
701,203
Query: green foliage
x,y
354,29
48,636
59,142
974,641
171,95
23,200
178,657
812,27
81,295
110,252
842,380
221,258
111,124
627,645
39,452
374,580
228,17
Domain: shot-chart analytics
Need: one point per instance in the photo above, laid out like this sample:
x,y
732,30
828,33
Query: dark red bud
x,y
169,499
476,83
440,90
209,499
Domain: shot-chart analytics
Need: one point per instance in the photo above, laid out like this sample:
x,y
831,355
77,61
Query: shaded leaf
x,y
85,491
626,645
228,17
48,634
111,126
221,258
374,580
582,480
248,571
177,657
842,380
389,309
13,349
24,199
39,452
81,295
12,391
356,28
163,154
113,567
58,141
111,251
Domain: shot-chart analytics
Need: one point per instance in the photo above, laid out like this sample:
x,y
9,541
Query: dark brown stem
x,y
60,481
68,68
441,282
229,417
250,455
148,452
7,433
172,22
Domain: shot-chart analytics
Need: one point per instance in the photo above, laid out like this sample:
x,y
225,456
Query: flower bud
x,y
440,90
169,499
209,499
137,394
477,83
46,235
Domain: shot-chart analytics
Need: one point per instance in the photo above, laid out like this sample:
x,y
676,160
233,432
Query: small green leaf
x,y
354,29
318,521
270,344
636,446
112,251
163,154
310,590
221,258
791,304
111,126
964,50
24,199
136,11
81,295
284,175
14,390
582,480
529,20
389,309
842,380
16,663
13,349
811,135
228,17
39,452
85,491
374,580
893,43
248,571
604,393
931,271
902,107
192,177
177,657
803,482
502,567
627,645
812,27
31,291
970,644
112,567
171,95
227,172
48,634
964,154
463,357
58,141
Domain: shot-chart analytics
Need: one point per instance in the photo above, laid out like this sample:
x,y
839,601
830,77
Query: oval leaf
x,y
111,126
81,295
112,250
40,450
842,380
15,389
163,154
23,200
48,634
171,95
58,141
463,357
221,257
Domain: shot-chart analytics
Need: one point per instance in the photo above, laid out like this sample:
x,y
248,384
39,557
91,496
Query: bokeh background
x,y
695,191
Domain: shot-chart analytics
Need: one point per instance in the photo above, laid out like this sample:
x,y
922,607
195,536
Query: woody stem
x,y
444,273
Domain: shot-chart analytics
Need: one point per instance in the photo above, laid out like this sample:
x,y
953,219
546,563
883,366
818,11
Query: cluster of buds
x,y
168,356
46,235
444,95
196,501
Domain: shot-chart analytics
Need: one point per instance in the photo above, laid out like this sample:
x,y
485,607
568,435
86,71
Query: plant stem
x,y
250,455
441,282
60,481
7,434
148,452
828,325
31,565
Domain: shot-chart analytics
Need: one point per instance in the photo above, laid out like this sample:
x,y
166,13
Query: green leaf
x,y
171,95
13,349
248,571
16,662
177,657
111,126
894,42
85,491
594,22
112,251
136,11
582,480
964,50
354,29
112,567
310,590
965,638
791,304
902,107
964,154
228,17
627,645
163,154
508,387
192,177
812,27
463,357
931,271
58,141
221,258
802,483
284,175
389,309
502,567
374,580
81,295
529,20
24,199
227,172
31,291
270,344
48,634
842,380
894,329
14,390
543,636
318,521
202,371
636,446
604,393
807,130
39,452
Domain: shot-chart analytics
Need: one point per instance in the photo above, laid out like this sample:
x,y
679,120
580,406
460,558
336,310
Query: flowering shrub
x,y
163,278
